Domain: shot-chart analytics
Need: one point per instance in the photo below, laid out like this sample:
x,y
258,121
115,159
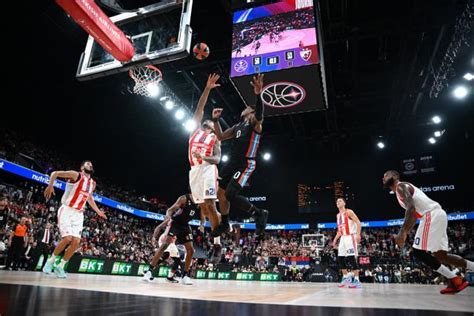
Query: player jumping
x,y
246,137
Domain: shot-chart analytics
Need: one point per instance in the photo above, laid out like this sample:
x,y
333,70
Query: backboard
x,y
160,33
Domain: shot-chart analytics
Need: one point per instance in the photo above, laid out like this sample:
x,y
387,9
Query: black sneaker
x,y
221,229
261,218
172,280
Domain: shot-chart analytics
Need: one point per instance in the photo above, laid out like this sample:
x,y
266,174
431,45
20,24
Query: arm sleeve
x,y
259,108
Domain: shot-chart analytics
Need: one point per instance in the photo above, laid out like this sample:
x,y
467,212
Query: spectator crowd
x,y
127,238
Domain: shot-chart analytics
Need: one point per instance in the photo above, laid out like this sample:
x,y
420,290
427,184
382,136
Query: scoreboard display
x,y
273,37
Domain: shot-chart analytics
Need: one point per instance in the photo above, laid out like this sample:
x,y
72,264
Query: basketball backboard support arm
x,y
317,8
94,63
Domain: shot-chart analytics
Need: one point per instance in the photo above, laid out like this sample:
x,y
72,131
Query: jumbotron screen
x,y
273,37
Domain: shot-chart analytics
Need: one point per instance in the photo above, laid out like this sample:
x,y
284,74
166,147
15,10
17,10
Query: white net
x,y
147,80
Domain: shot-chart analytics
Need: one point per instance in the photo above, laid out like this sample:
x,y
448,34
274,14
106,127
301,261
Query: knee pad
x,y
427,258
232,190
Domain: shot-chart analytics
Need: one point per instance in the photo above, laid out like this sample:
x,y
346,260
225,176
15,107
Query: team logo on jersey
x,y
305,53
283,94
241,66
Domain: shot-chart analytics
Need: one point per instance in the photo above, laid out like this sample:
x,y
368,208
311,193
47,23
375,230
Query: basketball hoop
x,y
146,80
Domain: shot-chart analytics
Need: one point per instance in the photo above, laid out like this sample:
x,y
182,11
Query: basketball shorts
x,y
239,171
431,234
183,233
203,182
70,221
172,249
347,246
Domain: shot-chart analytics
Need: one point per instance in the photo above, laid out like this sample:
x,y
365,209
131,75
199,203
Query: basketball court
x,y
118,295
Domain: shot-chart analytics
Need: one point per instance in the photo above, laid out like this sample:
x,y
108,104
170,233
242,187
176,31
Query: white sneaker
x,y
148,276
186,281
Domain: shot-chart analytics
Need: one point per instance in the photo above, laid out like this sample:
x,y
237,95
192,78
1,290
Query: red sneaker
x,y
455,285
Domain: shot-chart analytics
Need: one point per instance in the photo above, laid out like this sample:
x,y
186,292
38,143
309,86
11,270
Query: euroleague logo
x,y
241,65
283,94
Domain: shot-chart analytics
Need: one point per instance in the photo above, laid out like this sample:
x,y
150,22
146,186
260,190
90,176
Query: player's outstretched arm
x,y
94,206
257,83
228,134
49,191
211,84
180,202
160,227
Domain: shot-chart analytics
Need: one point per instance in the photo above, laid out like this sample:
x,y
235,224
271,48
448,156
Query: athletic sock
x,y
52,259
469,265
62,263
356,278
444,270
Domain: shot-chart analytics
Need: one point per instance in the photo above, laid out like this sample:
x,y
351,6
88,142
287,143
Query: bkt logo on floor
x,y
122,268
91,266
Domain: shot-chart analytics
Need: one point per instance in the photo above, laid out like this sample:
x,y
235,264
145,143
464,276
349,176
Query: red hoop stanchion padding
x,y
95,22
145,77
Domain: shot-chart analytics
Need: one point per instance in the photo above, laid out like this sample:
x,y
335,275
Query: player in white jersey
x,y
431,239
171,251
204,153
348,230
79,189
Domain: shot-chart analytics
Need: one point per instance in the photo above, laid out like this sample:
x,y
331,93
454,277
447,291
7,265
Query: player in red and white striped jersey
x,y
79,189
204,153
431,244
348,229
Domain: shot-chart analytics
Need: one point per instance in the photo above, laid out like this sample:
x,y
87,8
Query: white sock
x,y
170,274
444,270
469,265
62,263
345,276
356,277
52,259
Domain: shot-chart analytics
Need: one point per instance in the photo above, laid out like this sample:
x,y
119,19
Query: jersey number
x,y
417,241
237,175
238,134
192,213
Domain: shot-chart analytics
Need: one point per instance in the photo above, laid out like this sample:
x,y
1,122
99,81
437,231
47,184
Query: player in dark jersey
x,y
234,175
179,214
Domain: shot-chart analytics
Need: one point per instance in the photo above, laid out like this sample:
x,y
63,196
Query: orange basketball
x,y
201,51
